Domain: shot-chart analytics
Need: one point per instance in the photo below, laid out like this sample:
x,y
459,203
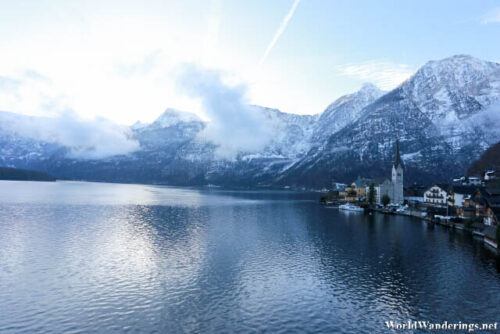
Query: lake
x,y
79,257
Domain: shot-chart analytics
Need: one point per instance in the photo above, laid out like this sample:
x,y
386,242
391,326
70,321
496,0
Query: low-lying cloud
x,y
234,126
85,138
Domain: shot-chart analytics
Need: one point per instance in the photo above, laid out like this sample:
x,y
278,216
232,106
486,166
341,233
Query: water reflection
x,y
158,259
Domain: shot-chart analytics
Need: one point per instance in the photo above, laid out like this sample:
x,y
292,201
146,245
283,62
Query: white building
x,y
460,193
468,181
475,181
489,175
393,188
436,195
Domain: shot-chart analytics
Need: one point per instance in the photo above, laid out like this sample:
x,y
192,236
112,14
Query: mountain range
x,y
445,116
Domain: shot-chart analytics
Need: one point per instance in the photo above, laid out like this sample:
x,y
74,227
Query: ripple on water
x,y
193,261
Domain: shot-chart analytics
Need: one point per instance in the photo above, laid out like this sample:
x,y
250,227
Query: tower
x,y
397,177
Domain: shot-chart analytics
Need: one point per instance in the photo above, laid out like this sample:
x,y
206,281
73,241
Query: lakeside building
x,y
436,195
468,181
487,204
356,191
415,193
490,175
458,194
394,188
337,186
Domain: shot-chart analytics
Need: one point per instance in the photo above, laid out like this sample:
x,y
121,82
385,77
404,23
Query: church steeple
x,y
397,177
398,161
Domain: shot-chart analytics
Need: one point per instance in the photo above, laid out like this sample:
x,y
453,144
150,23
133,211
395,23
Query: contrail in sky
x,y
280,30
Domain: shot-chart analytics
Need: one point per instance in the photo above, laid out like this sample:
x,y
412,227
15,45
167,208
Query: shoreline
x,y
452,225
431,221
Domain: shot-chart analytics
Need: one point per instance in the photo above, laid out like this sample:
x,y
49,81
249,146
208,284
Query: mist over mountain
x,y
445,116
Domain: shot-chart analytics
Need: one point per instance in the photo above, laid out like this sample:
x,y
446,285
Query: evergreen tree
x,y
371,194
386,200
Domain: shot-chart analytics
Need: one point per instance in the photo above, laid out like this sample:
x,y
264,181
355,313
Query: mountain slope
x,y
16,174
490,159
344,111
444,115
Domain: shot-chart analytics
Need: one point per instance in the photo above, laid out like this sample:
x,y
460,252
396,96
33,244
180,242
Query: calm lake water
x,y
95,257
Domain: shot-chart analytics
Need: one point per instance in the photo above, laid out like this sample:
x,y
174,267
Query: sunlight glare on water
x,y
96,257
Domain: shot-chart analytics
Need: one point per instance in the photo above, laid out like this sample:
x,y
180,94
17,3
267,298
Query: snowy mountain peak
x,y
445,115
138,125
370,88
460,71
344,111
454,88
171,117
460,61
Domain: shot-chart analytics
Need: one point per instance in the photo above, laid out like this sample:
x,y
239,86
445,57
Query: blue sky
x,y
119,59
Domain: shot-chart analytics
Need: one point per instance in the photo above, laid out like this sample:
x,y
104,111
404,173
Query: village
x,y
469,203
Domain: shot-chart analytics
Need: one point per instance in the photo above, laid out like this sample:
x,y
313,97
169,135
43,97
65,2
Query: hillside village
x,y
470,203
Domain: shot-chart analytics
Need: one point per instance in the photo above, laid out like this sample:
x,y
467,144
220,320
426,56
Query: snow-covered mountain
x,y
17,149
445,116
344,111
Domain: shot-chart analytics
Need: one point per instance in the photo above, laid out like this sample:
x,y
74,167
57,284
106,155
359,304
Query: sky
x,y
121,60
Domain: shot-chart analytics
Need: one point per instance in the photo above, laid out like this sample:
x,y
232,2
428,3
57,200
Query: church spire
x,y
398,161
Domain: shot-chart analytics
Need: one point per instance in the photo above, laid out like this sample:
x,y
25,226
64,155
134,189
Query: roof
x,y
362,182
493,200
379,180
398,161
493,192
414,192
464,190
443,186
487,196
468,208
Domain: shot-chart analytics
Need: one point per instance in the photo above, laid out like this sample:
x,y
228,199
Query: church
x,y
394,187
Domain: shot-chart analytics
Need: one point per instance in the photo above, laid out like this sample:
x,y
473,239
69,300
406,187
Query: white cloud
x,y
86,139
33,94
493,16
234,126
385,75
280,30
29,92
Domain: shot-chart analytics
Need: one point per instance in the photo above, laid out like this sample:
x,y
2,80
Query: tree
x,y
371,194
386,200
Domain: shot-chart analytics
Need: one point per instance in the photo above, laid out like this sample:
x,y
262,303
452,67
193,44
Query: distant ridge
x,y
445,116
15,174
